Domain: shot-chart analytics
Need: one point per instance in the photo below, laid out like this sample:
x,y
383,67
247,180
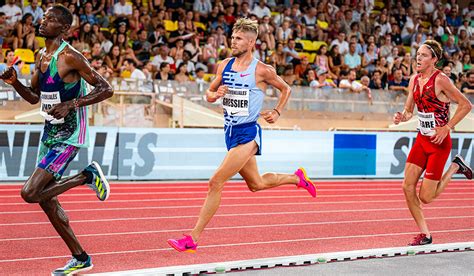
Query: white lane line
x,y
221,206
239,244
238,227
223,198
242,186
177,217
399,190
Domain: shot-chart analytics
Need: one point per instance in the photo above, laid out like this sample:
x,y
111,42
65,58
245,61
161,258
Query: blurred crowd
x,y
364,45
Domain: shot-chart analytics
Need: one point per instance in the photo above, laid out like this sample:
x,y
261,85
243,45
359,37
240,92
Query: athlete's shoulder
x,y
265,69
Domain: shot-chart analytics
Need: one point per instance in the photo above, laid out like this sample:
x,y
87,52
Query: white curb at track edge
x,y
298,260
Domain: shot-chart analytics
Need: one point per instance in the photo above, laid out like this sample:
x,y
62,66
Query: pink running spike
x,y
305,182
185,244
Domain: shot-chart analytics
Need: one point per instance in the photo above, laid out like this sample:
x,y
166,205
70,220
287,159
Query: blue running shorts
x,y
242,134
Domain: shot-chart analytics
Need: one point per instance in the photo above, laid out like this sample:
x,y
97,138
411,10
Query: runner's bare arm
x,y
464,105
102,89
270,76
407,112
216,90
30,94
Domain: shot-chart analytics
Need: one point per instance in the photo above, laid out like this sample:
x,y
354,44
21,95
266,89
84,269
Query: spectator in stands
x,y
262,53
162,57
36,11
384,68
450,47
309,19
457,64
322,61
12,11
369,59
292,55
142,46
202,8
131,66
181,74
210,55
177,52
464,41
244,10
122,11
200,73
387,46
398,84
346,21
336,60
454,19
408,66
447,70
396,38
5,30
322,80
393,55
190,66
409,27
266,32
88,15
359,49
96,52
114,60
300,70
180,34
352,59
261,9
284,32
376,81
189,22
350,83
341,43
105,41
24,33
365,26
165,72
355,35
289,75
466,62
385,27
468,86
278,58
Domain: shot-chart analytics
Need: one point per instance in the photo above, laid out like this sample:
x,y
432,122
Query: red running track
x,y
129,231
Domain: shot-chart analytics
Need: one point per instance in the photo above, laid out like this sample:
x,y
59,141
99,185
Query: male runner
x,y
59,84
431,91
240,82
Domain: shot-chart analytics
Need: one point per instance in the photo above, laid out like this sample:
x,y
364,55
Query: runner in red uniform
x,y
431,91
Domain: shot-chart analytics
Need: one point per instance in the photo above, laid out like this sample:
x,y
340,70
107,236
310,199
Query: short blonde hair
x,y
246,25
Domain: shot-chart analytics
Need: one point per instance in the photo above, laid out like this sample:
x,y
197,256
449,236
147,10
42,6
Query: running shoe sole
x,y
79,271
178,249
102,177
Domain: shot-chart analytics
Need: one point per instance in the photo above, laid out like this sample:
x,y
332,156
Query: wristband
x,y
277,111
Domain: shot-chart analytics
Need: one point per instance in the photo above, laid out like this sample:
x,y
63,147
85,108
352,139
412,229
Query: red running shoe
x,y
305,182
421,239
463,167
185,244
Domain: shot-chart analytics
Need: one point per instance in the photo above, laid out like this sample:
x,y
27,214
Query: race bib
x,y
236,102
426,123
48,100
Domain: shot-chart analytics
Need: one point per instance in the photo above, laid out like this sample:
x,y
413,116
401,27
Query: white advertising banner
x,y
166,154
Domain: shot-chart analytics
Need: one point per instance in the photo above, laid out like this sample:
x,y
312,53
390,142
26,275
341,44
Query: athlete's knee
x,y
254,187
426,199
215,185
29,196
